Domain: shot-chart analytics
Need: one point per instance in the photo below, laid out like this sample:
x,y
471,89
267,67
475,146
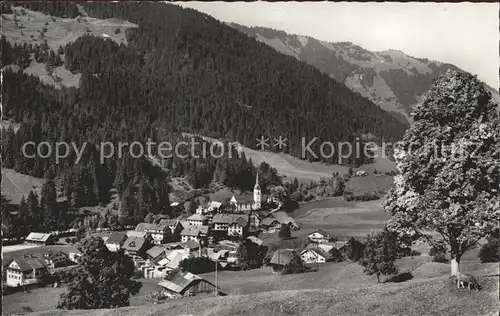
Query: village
x,y
213,235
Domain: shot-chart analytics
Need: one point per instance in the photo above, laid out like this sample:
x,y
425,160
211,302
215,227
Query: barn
x,y
179,283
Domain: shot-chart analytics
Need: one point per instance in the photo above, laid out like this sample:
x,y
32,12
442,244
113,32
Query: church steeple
x,y
257,196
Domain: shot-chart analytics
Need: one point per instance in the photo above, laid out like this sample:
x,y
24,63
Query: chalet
x,y
270,224
319,236
135,246
40,239
156,253
115,241
25,270
361,173
232,224
192,233
175,228
160,233
197,220
180,284
281,259
55,259
284,219
315,255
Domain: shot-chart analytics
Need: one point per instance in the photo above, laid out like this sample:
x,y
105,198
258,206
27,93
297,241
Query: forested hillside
x,y
182,71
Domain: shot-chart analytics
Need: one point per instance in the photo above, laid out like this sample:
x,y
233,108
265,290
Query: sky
x,y
463,34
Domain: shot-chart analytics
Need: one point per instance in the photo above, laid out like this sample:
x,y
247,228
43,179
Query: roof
x,y
192,244
116,238
214,204
169,222
283,218
244,199
134,243
255,240
141,227
29,262
230,218
318,252
176,259
191,231
282,256
197,217
134,233
155,252
320,231
38,237
203,229
179,281
268,221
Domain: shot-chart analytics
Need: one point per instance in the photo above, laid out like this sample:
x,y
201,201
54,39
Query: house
x,y
25,270
40,239
315,255
192,233
319,236
175,228
75,257
281,259
255,240
232,224
197,220
180,283
156,253
160,233
361,173
270,224
115,241
135,246
55,259
243,203
284,219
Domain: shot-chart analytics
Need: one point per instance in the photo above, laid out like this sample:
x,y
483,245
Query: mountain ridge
x,y
392,79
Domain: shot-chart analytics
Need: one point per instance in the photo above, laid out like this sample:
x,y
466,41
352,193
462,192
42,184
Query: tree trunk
x,y
455,266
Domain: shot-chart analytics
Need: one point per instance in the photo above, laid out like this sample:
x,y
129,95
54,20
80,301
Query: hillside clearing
x,y
16,185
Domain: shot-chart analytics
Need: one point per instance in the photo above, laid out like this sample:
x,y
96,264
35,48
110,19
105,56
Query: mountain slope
x,y
390,79
184,71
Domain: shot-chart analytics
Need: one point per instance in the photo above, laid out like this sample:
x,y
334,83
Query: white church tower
x,y
257,196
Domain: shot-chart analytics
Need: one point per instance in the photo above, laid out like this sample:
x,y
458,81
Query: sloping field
x,y
15,185
424,297
293,167
35,28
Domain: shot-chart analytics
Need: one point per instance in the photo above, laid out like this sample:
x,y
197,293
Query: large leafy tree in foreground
x,y
449,163
105,280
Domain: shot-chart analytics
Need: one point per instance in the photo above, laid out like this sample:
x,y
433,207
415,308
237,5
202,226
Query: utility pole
x,y
216,281
317,257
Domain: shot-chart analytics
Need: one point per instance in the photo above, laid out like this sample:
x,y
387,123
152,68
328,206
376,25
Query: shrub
x,y
380,253
490,252
117,30
197,265
26,308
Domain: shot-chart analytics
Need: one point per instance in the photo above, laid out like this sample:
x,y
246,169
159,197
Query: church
x,y
244,203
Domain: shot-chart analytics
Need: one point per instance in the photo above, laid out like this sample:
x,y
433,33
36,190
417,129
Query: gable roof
x,y
137,234
283,218
116,238
38,237
141,227
191,231
268,221
244,199
282,257
320,231
29,262
179,281
134,243
318,252
230,218
169,222
155,252
197,217
255,240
